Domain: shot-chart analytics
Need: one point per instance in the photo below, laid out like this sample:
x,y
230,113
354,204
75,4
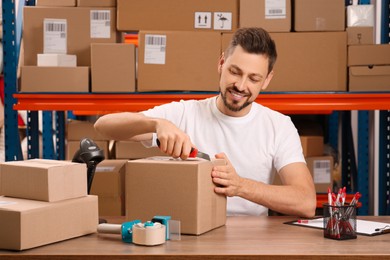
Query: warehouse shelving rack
x,y
336,104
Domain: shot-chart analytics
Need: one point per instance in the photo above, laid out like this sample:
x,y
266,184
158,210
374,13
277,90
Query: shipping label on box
x,y
42,179
55,36
100,24
181,189
27,224
321,169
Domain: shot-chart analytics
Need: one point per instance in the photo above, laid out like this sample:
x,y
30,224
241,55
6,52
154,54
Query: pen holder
x,y
339,221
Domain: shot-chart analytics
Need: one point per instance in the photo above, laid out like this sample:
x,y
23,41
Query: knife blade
x,y
195,153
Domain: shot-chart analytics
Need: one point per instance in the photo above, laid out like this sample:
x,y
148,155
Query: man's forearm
x,y
125,126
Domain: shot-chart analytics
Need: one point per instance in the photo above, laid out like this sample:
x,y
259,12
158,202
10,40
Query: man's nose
x,y
241,85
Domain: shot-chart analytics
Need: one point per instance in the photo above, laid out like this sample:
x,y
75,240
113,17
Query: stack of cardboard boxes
x,y
180,44
44,201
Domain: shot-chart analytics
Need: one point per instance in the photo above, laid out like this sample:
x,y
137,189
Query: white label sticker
x,y
275,9
321,171
155,48
105,168
223,21
54,36
202,20
100,24
6,203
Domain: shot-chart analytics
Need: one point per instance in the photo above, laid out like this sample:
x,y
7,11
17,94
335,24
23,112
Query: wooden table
x,y
242,237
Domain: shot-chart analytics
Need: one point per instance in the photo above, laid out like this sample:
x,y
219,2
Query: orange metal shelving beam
x,y
288,103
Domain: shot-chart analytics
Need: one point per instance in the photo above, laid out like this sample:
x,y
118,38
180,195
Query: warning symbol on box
x,y
222,21
202,20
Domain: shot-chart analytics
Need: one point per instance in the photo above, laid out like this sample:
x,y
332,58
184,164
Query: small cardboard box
x,y
369,55
56,60
73,146
63,3
26,224
109,185
134,150
112,67
265,14
54,79
43,179
319,15
96,3
360,35
163,61
321,168
369,78
180,189
77,130
312,145
177,15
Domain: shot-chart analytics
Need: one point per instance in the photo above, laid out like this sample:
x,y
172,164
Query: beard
x,y
233,106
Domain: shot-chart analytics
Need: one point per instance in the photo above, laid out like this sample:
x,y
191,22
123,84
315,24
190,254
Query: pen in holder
x,y
340,221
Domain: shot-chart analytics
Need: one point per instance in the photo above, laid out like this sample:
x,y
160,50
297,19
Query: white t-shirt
x,y
257,144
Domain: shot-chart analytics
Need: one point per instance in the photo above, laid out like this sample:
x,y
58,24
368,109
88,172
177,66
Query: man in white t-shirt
x,y
255,141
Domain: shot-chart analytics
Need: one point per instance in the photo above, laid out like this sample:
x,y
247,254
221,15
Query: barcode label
x,y
55,37
275,9
101,24
155,48
322,171
55,27
100,15
155,40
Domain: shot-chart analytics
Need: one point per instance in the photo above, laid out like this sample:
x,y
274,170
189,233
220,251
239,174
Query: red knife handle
x,y
193,153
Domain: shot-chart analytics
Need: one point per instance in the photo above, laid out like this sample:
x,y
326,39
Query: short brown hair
x,y
254,40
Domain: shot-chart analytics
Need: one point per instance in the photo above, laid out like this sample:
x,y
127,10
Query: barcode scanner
x,y
90,154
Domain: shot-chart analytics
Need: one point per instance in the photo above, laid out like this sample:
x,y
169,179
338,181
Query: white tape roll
x,y
149,235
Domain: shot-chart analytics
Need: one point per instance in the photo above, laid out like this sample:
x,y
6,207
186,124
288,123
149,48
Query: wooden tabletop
x,y
242,237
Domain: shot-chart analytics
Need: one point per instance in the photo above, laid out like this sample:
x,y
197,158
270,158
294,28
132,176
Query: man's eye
x,y
255,80
234,72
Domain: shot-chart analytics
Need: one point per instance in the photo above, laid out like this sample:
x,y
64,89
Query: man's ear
x,y
267,80
221,62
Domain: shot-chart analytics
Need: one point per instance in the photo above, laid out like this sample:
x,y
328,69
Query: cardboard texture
x,y
253,14
113,67
180,189
134,150
321,168
109,186
318,62
319,15
27,224
188,61
360,35
372,54
369,78
43,179
58,3
81,30
96,3
54,79
312,145
73,146
77,130
166,15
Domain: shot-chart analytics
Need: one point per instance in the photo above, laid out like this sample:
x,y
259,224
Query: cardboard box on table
x,y
134,150
43,179
180,189
26,224
109,185
369,67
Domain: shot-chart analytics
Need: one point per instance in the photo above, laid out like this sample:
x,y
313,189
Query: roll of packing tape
x,y
149,234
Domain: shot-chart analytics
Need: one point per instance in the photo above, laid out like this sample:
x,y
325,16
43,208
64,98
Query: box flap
x,y
370,54
369,71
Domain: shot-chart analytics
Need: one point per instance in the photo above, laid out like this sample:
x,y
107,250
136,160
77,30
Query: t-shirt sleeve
x,y
288,145
171,111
